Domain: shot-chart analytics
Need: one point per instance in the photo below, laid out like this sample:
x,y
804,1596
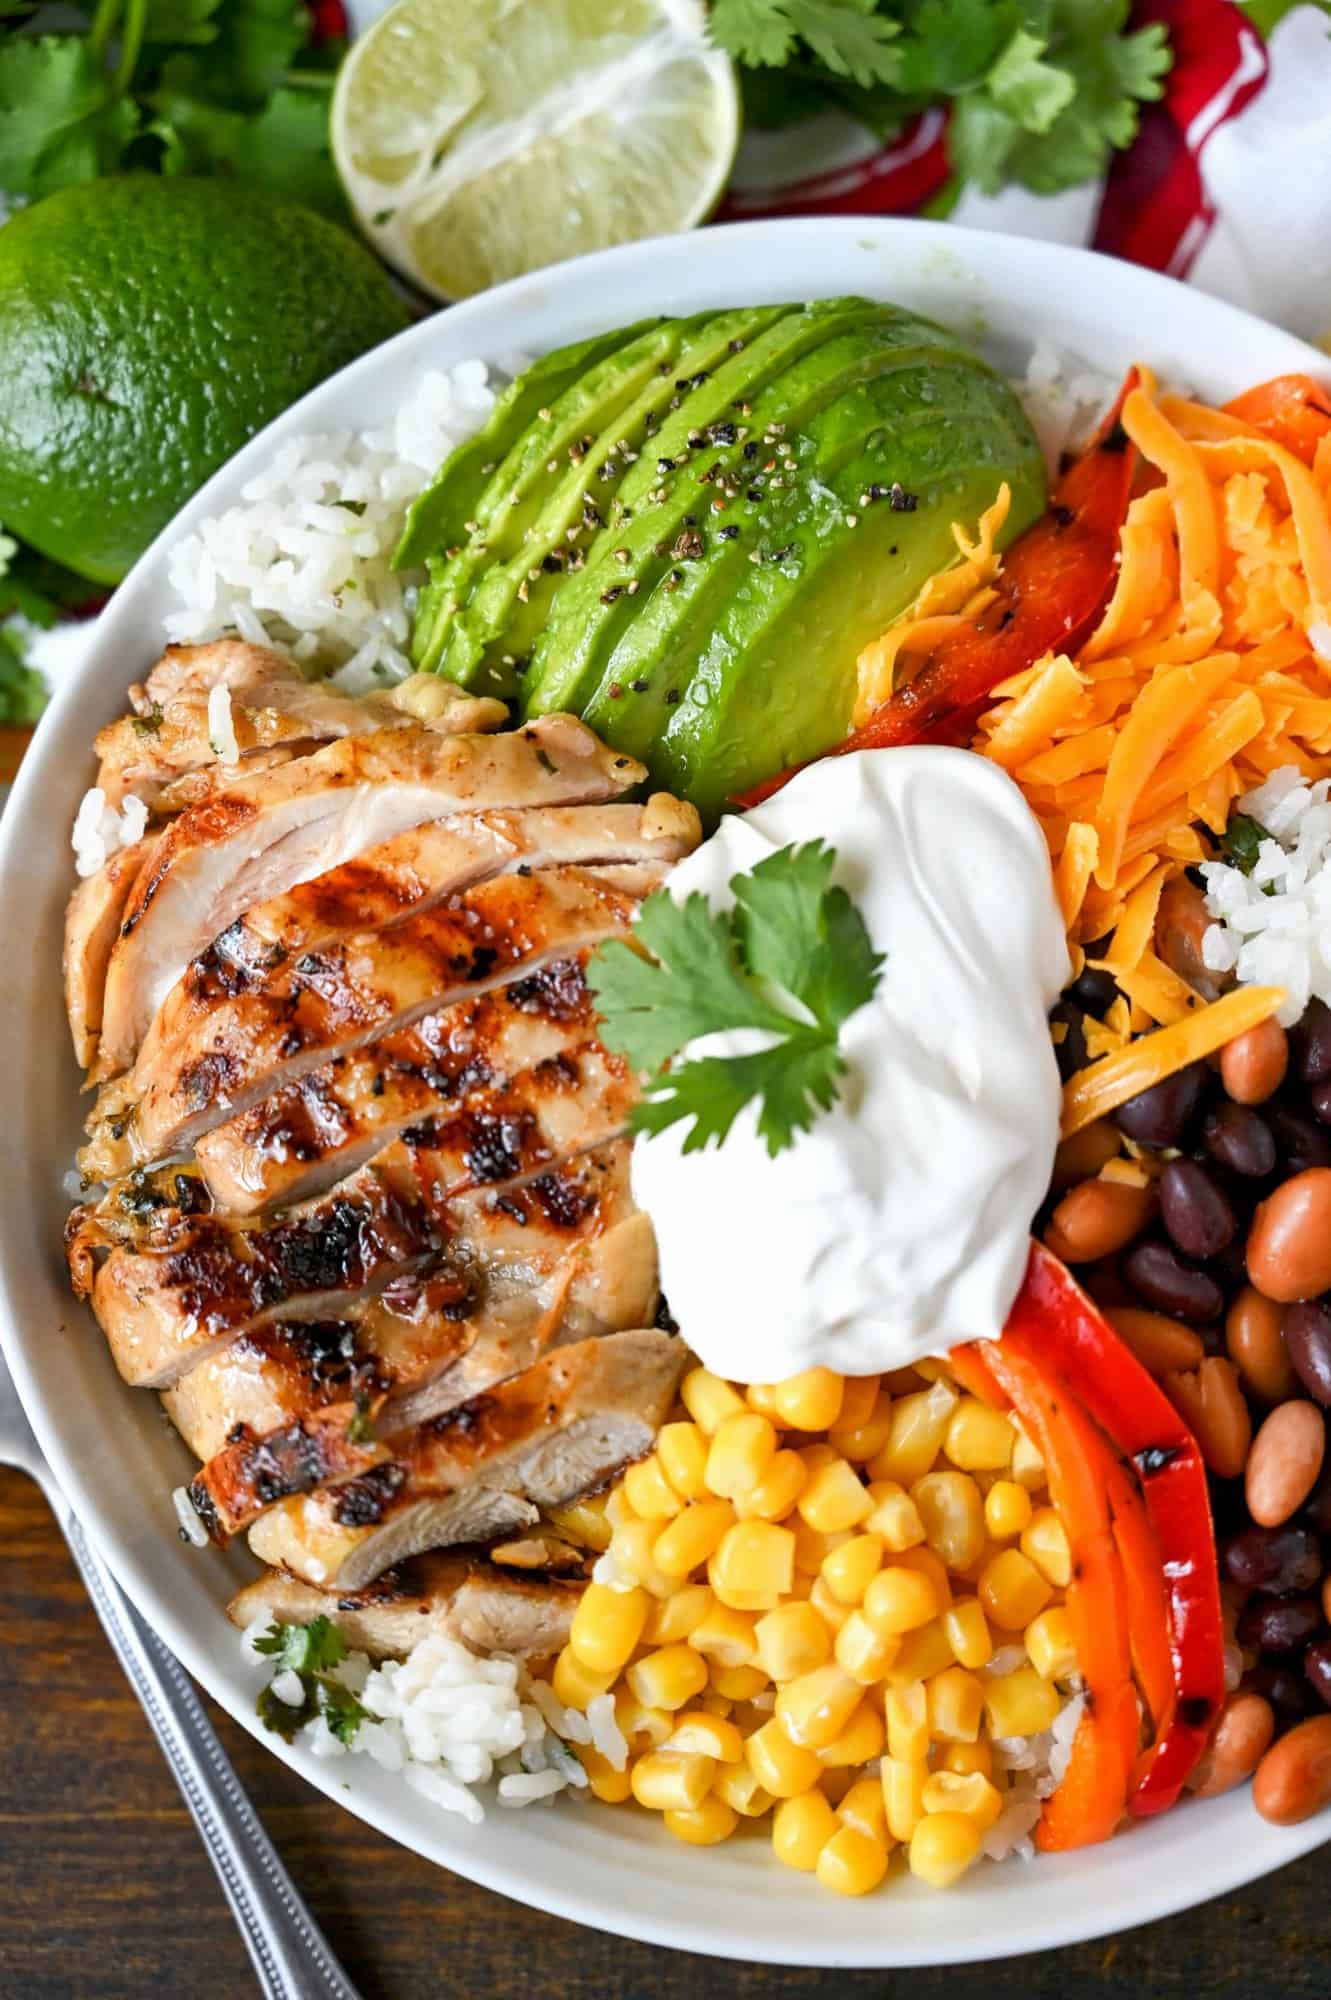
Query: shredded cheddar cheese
x,y
1102,1086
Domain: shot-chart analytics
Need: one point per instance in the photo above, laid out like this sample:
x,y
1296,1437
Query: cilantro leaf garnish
x,y
792,960
311,1652
1241,842
340,1710
306,1649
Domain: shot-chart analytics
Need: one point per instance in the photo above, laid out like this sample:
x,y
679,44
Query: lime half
x,y
479,139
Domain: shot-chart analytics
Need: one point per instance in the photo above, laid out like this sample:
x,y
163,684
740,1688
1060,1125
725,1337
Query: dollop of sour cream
x,y
899,1223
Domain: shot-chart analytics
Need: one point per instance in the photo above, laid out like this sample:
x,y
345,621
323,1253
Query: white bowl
x,y
112,1449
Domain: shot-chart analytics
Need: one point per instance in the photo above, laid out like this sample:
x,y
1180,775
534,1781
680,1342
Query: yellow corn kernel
x,y
928,1564
648,1491
833,1499
924,1653
1028,1467
859,1394
742,1448
781,1767
713,1703
973,1795
835,1782
863,1807
906,1713
814,1709
725,1636
810,1401
952,1510
811,1548
942,1848
1007,1509
931,1369
603,1780
752,1566
792,1640
576,1684
829,1608
1049,1645
977,1438
916,1435
672,1780
668,1678
584,1521
899,1600
859,1742
895,1517
607,1625
1012,1590
866,1439
904,1779
1045,1540
737,1785
692,1536
865,1654
761,1396
617,1509
956,1705
673,1618
850,1568
812,1456
1021,1703
706,1826
802,1825
773,1496
967,1632
643,1728
963,1758
738,1683
633,1547
682,1450
709,1400
851,1863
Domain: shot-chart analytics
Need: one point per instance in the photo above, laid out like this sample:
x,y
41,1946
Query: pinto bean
x,y
1284,1462
1181,923
1097,1218
1293,1780
1211,1404
1084,1153
1242,1736
1257,1345
1289,1244
1161,1344
1253,1065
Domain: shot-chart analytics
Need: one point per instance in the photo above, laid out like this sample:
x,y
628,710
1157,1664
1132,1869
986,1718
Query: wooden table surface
x,y
105,1892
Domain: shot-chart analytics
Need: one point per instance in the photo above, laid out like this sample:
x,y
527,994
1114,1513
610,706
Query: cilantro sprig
x,y
792,960
311,1652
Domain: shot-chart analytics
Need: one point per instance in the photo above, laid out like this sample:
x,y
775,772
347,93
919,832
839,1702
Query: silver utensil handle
x,y
291,1956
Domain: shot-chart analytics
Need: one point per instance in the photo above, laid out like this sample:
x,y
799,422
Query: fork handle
x,y
291,1957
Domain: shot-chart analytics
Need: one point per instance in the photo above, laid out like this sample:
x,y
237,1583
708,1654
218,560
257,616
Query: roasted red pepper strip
x,y
1072,1343
1055,580
1292,409
1092,1796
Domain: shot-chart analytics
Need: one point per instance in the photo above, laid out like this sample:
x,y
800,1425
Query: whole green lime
x,y
148,327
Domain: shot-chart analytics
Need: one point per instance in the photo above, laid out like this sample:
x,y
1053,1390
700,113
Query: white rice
x,y
1273,927
221,725
191,1527
1064,401
100,831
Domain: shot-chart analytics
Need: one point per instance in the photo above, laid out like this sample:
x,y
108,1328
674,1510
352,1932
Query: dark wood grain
x,y
105,1892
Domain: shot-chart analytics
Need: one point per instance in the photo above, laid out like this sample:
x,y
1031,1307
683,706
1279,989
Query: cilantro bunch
x,y
1041,91
168,86
310,1652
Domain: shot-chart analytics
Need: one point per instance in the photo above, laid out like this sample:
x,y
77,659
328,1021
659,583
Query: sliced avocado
x,y
787,373
438,517
774,682
495,623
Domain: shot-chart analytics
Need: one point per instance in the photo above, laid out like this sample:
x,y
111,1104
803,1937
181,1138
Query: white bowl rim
x,y
969,277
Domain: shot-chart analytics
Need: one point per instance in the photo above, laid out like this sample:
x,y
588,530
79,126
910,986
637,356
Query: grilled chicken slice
x,y
269,704
265,833
214,1051
456,1597
485,1470
92,924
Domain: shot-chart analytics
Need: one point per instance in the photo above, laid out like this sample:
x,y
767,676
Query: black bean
x,y
1070,1047
1307,1330
1279,1624
1194,1211
1286,1689
1160,1116
1298,1139
1237,1138
1317,1668
1095,991
1161,1279
1319,1100
1316,1509
1310,1043
1286,1561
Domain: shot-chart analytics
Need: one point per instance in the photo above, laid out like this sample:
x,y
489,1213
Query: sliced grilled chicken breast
x,y
265,833
456,1597
93,918
485,1470
214,1051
